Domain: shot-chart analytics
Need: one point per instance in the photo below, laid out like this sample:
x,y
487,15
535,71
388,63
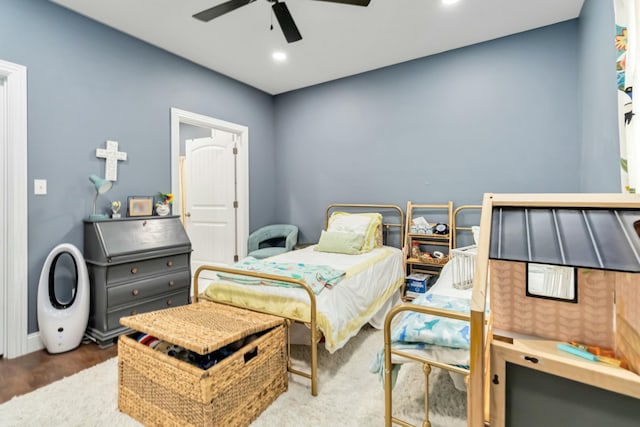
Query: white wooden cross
x,y
112,155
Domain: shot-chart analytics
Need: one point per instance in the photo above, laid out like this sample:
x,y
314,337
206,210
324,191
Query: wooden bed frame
x,y
426,362
315,333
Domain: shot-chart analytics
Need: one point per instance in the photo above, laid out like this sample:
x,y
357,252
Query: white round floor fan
x,y
63,299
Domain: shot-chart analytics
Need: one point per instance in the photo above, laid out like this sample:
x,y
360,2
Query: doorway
x,y
210,183
13,210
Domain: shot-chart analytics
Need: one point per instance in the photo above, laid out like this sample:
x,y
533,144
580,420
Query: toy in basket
x,y
463,264
428,258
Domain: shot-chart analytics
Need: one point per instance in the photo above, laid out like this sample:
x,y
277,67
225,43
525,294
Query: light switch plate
x,y
39,186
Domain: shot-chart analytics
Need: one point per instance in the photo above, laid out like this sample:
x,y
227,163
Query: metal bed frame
x,y
316,334
426,362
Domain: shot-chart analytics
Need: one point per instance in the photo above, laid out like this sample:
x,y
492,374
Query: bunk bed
x,y
436,329
367,292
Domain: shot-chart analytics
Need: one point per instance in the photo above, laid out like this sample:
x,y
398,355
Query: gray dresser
x,y
135,265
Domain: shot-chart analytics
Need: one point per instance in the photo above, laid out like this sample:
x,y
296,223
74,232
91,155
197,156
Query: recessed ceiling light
x,y
448,2
279,56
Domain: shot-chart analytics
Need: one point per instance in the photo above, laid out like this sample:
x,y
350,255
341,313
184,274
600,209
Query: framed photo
x,y
140,206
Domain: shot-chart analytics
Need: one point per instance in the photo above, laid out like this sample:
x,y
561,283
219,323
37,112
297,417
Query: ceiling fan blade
x,y
221,9
285,20
351,2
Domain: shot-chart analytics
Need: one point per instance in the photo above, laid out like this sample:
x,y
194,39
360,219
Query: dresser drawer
x,y
138,269
139,290
164,301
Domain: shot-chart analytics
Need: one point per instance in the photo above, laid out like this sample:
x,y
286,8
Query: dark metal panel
x,y
616,247
544,237
510,235
605,239
495,250
631,224
574,233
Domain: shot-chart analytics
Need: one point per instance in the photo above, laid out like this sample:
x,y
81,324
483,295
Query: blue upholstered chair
x,y
268,240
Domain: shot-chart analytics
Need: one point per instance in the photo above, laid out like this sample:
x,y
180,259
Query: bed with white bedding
x,y
371,281
431,337
365,294
435,328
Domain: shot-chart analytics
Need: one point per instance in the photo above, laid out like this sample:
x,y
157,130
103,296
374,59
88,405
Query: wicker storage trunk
x,y
158,389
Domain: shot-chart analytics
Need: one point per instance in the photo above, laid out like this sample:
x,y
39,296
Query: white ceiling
x,y
338,40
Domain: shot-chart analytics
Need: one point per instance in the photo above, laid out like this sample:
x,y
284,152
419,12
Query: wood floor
x,y
34,370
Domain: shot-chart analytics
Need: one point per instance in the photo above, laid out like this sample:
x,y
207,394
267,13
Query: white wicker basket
x,y
463,264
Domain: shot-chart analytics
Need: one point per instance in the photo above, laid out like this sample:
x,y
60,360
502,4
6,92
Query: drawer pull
x,y
171,283
169,263
134,270
135,292
169,302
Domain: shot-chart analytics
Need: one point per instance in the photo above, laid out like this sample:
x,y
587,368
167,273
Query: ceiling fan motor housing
x,y
280,10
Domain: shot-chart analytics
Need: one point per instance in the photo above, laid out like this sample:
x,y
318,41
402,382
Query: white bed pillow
x,y
360,223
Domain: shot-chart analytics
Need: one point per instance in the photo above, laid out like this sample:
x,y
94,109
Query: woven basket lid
x,y
202,327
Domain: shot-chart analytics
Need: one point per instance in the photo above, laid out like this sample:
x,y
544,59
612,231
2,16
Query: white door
x,y
210,198
14,302
3,115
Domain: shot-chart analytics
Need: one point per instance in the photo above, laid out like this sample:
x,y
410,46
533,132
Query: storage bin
x,y
158,389
417,284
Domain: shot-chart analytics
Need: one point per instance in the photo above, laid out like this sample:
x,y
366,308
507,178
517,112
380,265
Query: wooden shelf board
x,y
430,264
556,362
429,236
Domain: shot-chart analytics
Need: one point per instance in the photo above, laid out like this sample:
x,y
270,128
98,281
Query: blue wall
x,y
526,113
500,116
600,149
88,83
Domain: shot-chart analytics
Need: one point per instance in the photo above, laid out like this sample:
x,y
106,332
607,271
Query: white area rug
x,y
349,395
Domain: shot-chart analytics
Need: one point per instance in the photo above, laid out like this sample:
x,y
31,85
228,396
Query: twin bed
x,y
435,328
369,292
369,288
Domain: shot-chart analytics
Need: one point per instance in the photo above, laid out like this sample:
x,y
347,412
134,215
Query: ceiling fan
x,y
280,10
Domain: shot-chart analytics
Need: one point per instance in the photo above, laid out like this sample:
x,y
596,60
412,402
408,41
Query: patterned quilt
x,y
434,330
417,331
318,277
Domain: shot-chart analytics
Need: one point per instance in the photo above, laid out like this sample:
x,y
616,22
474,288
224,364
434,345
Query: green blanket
x,y
318,277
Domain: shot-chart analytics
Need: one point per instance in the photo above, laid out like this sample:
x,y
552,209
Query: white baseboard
x,y
34,343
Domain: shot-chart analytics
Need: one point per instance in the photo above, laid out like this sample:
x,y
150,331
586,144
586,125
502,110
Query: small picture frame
x,y
140,206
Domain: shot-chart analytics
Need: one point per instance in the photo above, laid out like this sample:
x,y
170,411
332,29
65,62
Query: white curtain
x,y
551,281
558,282
627,38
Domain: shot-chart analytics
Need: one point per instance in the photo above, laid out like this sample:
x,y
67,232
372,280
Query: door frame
x,y
13,265
242,167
